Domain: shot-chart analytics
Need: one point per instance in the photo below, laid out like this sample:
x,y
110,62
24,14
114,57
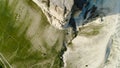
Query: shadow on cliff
x,y
89,10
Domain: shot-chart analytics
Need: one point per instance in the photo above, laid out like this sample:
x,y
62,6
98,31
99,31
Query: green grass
x,y
1,65
10,42
91,30
14,45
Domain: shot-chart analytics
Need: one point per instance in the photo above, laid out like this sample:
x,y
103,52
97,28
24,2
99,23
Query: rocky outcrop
x,y
57,11
61,13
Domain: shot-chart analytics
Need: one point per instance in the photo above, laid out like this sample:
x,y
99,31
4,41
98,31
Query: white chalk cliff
x,y
97,44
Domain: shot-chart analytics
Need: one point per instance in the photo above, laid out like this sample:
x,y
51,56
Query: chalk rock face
x,y
94,46
56,10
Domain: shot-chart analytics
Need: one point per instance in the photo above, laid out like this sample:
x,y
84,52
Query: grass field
x,y
18,37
